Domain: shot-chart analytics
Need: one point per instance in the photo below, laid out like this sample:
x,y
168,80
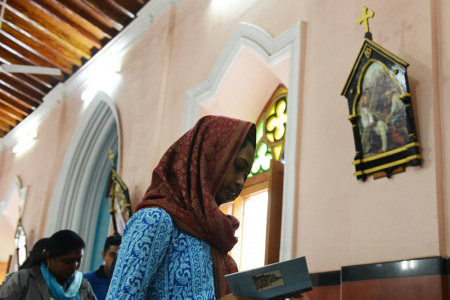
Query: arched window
x,y
270,131
260,203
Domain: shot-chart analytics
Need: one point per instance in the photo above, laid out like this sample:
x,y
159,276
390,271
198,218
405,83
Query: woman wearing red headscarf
x,y
176,244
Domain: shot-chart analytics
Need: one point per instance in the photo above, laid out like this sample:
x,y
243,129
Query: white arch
x,y
7,234
82,178
16,185
272,50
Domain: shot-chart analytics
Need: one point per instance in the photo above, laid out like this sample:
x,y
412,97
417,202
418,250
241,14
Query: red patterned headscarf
x,y
185,183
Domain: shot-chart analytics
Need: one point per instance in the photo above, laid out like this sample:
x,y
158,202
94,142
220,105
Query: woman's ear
x,y
47,255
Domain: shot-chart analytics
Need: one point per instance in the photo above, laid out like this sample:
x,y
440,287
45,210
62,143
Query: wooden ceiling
x,y
61,34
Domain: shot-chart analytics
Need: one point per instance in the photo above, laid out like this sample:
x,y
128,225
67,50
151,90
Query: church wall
x,y
341,221
139,99
38,168
444,86
378,220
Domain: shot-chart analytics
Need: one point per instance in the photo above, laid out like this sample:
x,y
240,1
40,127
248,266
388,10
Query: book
x,y
285,279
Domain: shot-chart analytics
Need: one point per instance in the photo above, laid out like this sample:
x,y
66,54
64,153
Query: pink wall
x,y
38,168
443,90
340,221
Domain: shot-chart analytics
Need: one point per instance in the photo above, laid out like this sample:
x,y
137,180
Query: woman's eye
x,y
239,167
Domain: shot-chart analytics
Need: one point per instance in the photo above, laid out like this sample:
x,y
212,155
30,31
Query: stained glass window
x,y
270,131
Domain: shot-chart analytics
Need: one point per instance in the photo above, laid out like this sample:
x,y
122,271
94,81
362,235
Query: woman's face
x,y
236,175
63,267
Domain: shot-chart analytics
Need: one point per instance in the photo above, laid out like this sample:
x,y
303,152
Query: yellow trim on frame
x,y
404,148
392,164
404,95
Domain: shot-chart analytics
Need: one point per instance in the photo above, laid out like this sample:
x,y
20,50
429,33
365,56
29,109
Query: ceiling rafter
x,y
45,23
62,34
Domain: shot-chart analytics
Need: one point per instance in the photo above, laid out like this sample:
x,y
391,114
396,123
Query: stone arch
x,y
81,182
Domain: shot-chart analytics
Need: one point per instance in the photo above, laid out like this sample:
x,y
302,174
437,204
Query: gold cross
x,y
365,18
111,157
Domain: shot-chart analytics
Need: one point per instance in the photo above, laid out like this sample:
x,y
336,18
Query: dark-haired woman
x,y
51,274
176,245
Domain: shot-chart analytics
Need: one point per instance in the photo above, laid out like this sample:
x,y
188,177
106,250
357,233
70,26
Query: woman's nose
x,y
240,181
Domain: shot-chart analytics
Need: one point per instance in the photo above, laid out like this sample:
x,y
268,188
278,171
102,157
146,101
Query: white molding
x,y
81,182
273,51
132,33
16,185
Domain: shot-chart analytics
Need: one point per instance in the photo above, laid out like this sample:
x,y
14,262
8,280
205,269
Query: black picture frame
x,y
381,112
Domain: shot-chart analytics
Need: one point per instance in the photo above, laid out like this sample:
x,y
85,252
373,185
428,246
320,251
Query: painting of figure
x,y
382,117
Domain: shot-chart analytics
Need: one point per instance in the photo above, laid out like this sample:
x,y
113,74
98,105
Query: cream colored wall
x,y
378,220
39,167
443,27
139,99
340,221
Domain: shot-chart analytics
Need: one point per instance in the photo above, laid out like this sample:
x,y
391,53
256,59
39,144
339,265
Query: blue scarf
x,y
56,290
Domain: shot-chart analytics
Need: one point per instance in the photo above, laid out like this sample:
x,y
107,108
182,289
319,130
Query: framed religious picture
x,y
120,204
381,112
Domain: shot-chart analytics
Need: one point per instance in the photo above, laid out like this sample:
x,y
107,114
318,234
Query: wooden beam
x,y
11,112
90,15
30,55
4,126
109,13
86,32
30,82
3,132
7,119
62,60
5,99
11,81
130,5
17,14
9,57
20,97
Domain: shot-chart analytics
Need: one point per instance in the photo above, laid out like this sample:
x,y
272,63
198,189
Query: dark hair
x,y
113,240
60,243
37,250
250,138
